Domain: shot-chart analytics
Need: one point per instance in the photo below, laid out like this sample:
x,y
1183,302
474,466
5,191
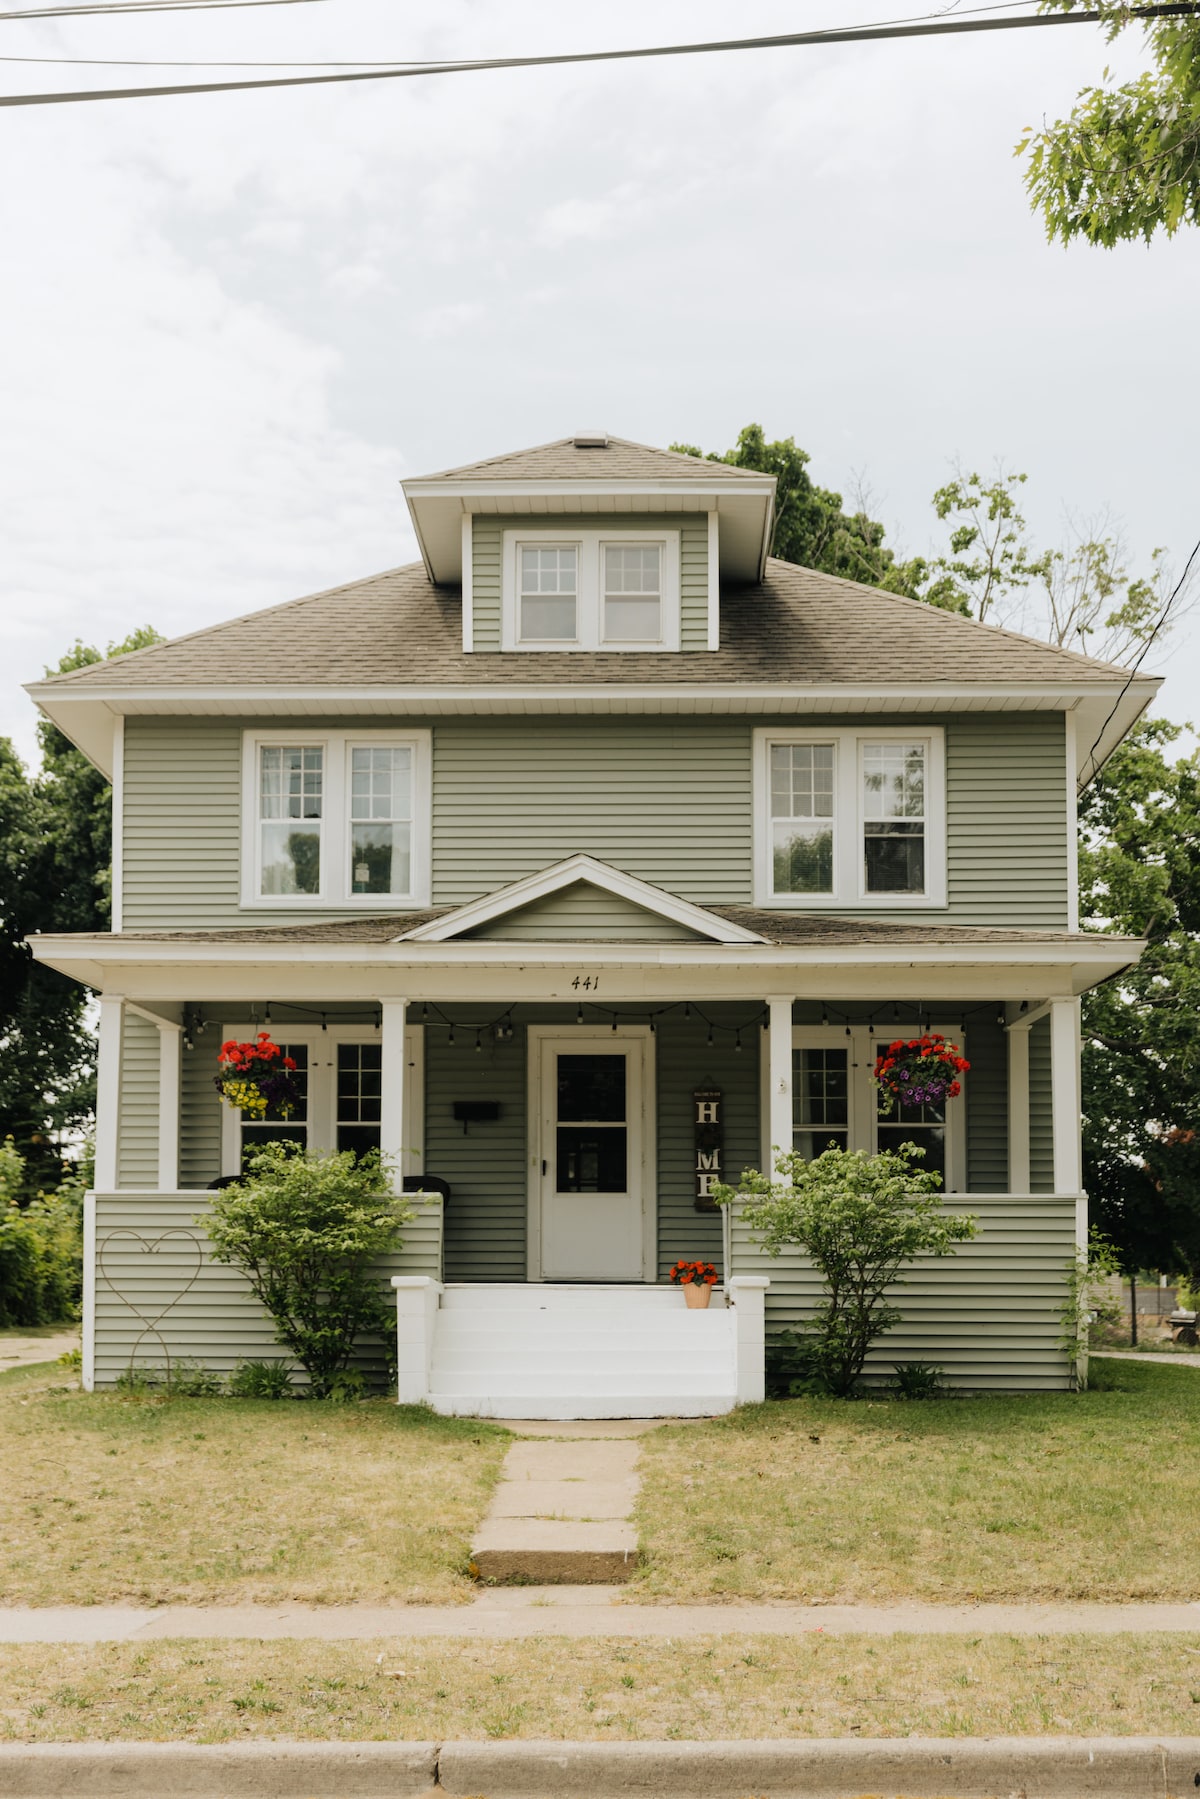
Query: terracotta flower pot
x,y
697,1295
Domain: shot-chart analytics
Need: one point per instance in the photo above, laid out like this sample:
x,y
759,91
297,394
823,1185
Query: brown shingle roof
x,y
618,460
398,629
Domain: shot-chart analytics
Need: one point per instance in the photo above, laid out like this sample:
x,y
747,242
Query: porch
x,y
540,1282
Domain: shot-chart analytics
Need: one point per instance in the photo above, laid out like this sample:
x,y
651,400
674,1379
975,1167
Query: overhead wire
x,y
145,6
780,41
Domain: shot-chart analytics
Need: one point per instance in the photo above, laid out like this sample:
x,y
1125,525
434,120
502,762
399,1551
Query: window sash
x,y
290,825
627,594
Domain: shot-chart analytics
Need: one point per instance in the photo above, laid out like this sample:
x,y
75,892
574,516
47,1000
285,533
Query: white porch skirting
x,y
573,1351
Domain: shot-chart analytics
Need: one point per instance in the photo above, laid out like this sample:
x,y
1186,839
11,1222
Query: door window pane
x,y
591,1089
549,592
894,815
820,1101
380,819
359,1096
802,778
633,593
591,1160
291,802
274,1128
592,1139
922,1125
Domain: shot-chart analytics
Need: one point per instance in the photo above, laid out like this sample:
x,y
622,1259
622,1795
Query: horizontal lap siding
x,y
485,1165
1006,821
665,800
487,574
137,1135
985,1095
1041,1119
989,1316
182,809
156,1282
685,1062
199,1115
584,911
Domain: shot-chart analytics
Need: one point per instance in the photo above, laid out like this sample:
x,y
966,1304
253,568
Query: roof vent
x,y
590,440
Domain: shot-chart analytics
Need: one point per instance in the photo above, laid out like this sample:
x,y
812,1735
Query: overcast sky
x,y
232,324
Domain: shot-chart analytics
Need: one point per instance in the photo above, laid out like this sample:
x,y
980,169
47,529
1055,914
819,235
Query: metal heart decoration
x,y
169,1293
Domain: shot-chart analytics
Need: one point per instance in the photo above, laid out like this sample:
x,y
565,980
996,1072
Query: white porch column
x,y
417,1301
748,1299
108,1090
392,1120
170,1070
1065,1098
1018,1109
88,1372
778,1120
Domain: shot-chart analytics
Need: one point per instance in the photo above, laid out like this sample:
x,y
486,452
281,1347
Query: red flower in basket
x,y
920,1071
257,1077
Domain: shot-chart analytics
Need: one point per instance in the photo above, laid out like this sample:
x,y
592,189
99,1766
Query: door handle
x,y
543,1165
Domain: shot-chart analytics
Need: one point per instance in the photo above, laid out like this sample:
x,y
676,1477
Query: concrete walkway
x,y
1182,1359
21,1352
563,1508
513,1613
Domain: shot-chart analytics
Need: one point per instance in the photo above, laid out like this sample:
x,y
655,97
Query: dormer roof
x,y
593,473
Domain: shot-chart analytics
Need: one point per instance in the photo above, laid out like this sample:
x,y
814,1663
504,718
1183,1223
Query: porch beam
x,y
392,1122
779,1078
108,1089
1065,1098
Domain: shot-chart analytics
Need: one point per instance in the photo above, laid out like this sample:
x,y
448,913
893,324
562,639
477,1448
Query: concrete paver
x,y
561,1512
22,1352
579,1429
1180,1360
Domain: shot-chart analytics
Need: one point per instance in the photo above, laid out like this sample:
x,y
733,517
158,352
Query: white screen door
x,y
591,1158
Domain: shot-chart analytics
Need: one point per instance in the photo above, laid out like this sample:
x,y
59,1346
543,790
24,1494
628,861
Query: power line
x,y
146,6
1142,654
784,41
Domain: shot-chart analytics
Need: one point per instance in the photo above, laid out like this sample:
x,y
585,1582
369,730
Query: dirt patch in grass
x,y
1046,1496
105,1499
735,1686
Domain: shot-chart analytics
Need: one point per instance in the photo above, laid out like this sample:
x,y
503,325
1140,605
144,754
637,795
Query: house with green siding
x,y
589,860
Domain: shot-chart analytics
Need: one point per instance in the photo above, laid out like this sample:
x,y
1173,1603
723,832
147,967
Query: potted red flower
x,y
257,1077
920,1071
697,1280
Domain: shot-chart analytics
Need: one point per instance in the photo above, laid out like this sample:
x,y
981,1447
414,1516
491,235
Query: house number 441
x,y
586,982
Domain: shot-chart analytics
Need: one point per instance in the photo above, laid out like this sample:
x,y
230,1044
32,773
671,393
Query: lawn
x,y
107,1499
714,1687
1054,1496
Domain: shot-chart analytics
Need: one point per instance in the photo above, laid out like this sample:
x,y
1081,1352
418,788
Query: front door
x,y
590,1163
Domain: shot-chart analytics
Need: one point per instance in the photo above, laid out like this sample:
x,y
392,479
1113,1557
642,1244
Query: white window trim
x,y
335,821
863,1125
589,598
849,885
322,1087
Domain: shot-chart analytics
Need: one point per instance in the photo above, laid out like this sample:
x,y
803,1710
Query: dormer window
x,y
591,590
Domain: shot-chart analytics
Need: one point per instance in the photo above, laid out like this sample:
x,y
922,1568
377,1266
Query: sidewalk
x,y
511,1613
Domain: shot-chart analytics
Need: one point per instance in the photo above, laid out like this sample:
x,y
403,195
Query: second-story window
x,y
549,593
341,819
632,593
850,818
291,804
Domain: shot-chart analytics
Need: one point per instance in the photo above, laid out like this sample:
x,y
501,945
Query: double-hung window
x,y
850,818
836,1106
591,590
335,818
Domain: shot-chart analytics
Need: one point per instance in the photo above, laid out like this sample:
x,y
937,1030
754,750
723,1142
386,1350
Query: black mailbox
x,y
475,1111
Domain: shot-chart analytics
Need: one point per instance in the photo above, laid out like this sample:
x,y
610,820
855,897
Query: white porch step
x,y
568,1351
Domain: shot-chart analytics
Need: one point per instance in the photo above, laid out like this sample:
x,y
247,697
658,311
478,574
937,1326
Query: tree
x,y
55,852
861,1218
1126,162
305,1229
1140,874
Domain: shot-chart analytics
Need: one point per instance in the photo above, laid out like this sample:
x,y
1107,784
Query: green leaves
x,y
305,1230
861,1218
1126,163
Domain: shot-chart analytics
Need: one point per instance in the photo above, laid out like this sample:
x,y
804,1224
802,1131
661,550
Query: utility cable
x,y
146,6
784,41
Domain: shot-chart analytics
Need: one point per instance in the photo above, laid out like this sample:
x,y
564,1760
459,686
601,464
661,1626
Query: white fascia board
x,y
590,872
754,487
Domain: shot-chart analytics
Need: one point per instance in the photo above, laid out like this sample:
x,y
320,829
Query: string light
x,y
478,1044
737,1044
579,1013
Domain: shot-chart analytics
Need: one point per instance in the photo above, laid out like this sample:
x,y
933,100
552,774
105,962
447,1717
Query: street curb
x,y
838,1768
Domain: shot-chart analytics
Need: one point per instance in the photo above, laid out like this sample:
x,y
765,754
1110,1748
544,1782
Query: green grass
x,y
106,1499
601,1689
1039,1497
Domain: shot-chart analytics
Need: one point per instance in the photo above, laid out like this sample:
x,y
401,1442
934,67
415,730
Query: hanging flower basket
x,y
920,1071
257,1077
697,1280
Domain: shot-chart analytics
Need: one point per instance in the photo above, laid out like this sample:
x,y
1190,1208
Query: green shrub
x,y
175,1380
917,1380
305,1230
860,1218
793,1365
41,1250
262,1380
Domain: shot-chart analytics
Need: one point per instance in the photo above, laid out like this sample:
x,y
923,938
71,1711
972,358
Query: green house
x,y
589,860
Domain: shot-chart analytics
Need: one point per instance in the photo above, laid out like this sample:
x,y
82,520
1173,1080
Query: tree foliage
x,y
41,1248
1126,162
55,854
305,1230
1140,874
861,1218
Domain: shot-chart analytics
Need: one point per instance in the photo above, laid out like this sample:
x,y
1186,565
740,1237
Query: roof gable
x,y
585,893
